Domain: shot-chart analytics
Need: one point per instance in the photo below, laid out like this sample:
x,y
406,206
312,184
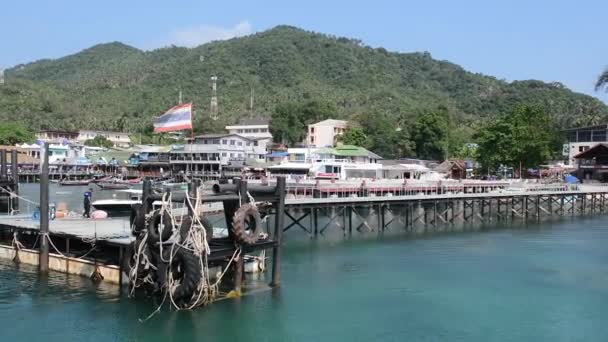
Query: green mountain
x,y
115,86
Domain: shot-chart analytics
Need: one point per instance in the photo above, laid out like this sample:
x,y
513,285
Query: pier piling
x,y
44,210
239,264
15,175
3,168
278,233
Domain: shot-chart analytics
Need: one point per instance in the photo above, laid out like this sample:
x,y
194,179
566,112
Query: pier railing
x,y
387,189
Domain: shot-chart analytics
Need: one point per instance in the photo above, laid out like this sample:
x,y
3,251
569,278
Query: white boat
x,y
119,206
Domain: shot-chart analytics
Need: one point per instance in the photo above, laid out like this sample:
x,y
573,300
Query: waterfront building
x,y
455,168
119,139
207,154
325,133
592,163
582,139
341,162
255,128
31,150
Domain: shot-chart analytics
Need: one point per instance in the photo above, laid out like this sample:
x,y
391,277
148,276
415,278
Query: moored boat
x,y
75,182
119,206
113,186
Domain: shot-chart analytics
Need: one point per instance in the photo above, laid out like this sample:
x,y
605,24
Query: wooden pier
x,y
103,248
441,211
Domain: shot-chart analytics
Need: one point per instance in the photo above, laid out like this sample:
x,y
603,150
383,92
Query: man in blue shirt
x,y
87,202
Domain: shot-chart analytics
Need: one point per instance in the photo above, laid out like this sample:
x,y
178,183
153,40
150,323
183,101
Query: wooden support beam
x,y
296,222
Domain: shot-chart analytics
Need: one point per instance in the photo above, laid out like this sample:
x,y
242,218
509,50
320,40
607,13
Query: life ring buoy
x,y
137,220
155,227
185,267
246,224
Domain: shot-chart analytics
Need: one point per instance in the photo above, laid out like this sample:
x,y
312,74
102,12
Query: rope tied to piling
x,y
17,245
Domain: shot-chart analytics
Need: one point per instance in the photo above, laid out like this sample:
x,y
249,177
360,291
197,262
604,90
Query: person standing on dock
x,y
87,203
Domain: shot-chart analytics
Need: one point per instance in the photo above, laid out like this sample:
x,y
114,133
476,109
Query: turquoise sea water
x,y
543,282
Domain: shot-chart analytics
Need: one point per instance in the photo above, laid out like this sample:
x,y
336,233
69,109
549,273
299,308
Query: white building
x,y
252,128
119,139
57,136
210,151
324,133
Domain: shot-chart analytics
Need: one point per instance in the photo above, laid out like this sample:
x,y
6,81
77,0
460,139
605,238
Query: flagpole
x,y
192,138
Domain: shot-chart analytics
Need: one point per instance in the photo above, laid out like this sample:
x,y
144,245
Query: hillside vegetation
x,y
115,86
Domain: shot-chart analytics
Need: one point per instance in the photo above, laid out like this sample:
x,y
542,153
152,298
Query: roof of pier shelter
x,y
449,165
604,126
348,151
599,149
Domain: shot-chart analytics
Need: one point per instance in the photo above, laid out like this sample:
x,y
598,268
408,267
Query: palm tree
x,y
602,81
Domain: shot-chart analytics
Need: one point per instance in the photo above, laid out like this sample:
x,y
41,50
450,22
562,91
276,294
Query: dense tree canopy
x,y
525,137
13,133
115,86
385,137
430,135
99,141
354,136
290,120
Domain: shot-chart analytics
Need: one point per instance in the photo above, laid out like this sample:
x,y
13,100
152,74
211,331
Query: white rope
x,y
19,197
48,237
16,243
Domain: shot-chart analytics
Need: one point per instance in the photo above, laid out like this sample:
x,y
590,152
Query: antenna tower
x,y
213,105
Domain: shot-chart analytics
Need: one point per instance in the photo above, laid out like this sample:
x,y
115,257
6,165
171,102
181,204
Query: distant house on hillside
x,y
57,136
119,139
324,133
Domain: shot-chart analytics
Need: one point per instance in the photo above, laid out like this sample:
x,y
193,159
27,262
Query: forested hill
x,y
115,86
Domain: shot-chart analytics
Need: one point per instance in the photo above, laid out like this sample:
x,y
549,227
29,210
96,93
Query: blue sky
x,y
557,40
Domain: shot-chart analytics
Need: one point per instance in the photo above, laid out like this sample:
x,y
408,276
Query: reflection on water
x,y
546,282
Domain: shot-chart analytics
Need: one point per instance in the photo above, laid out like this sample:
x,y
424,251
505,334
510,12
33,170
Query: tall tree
x,y
354,136
384,136
14,133
525,137
430,134
290,120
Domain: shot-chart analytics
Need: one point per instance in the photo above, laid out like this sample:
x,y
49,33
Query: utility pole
x,y
180,95
213,106
1,76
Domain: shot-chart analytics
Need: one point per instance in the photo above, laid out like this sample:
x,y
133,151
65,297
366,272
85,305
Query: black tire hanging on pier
x,y
208,227
184,227
185,267
187,222
246,224
129,259
137,220
154,228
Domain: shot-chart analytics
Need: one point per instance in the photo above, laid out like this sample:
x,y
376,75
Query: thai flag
x,y
175,119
